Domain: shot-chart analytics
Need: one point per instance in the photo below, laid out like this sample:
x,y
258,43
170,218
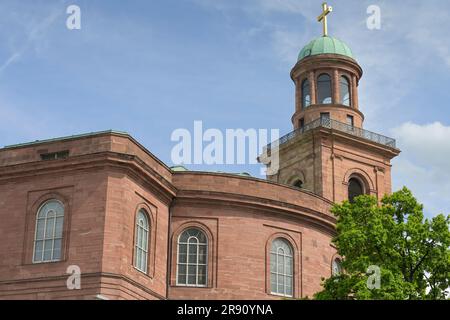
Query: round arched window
x,y
49,232
355,189
306,93
192,264
282,268
345,90
324,89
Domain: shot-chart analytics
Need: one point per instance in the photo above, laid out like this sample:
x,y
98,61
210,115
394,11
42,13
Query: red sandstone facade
x,y
104,180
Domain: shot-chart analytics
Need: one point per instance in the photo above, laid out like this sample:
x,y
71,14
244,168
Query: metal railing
x,y
339,126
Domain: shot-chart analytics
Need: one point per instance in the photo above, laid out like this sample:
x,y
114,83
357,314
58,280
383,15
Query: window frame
x,y
348,84
360,182
53,239
206,265
293,274
303,96
135,241
350,119
318,91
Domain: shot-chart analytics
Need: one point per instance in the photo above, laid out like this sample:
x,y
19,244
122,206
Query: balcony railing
x,y
339,126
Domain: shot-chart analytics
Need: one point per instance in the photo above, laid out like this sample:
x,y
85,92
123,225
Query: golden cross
x,y
323,17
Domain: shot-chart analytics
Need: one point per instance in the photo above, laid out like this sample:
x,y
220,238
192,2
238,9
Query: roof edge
x,y
65,138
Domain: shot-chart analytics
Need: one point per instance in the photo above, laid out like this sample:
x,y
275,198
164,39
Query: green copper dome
x,y
325,45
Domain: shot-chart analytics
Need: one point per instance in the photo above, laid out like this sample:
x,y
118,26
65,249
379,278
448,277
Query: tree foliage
x,y
412,253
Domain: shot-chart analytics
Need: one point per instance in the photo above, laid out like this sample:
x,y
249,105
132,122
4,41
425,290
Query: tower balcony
x,y
338,126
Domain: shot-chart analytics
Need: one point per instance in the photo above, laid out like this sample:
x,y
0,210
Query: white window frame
x,y
187,264
275,273
141,249
53,237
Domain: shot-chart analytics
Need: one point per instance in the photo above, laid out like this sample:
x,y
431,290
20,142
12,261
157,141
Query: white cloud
x,y
30,32
424,164
15,56
428,143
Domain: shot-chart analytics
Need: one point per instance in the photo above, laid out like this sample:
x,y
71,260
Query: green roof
x,y
178,168
325,45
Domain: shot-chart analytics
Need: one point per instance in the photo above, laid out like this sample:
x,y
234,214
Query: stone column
x,y
312,85
298,95
336,92
354,93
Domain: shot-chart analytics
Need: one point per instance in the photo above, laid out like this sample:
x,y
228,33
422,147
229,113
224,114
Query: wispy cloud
x,y
35,32
10,60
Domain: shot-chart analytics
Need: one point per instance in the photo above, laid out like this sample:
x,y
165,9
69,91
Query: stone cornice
x,y
132,163
324,222
83,276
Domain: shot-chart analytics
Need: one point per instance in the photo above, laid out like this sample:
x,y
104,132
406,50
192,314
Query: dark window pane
x,y
40,229
181,269
182,249
193,249
350,121
182,258
355,189
306,94
192,270
181,278
192,279
49,229
202,259
38,247
298,184
345,91
324,89
184,237
59,227
202,275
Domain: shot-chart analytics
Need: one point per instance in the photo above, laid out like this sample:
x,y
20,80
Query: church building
x,y
103,208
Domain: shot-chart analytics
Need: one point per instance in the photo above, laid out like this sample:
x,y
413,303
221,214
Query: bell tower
x,y
329,152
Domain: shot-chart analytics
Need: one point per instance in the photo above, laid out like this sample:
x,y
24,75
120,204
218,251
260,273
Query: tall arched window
x,y
306,93
281,268
324,95
49,232
345,90
141,242
336,267
192,262
355,189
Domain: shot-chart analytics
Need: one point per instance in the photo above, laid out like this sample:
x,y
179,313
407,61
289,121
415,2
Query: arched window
x,y
281,268
192,264
336,267
298,184
355,189
49,232
345,90
324,89
306,93
141,241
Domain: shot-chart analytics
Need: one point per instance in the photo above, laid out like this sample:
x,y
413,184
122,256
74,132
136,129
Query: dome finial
x,y
323,17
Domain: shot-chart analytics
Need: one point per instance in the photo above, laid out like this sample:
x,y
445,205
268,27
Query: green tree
x,y
412,253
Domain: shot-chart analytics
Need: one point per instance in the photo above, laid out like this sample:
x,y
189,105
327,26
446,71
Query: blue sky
x,y
150,67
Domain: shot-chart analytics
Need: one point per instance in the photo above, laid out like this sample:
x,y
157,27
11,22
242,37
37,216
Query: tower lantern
x,y
329,152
